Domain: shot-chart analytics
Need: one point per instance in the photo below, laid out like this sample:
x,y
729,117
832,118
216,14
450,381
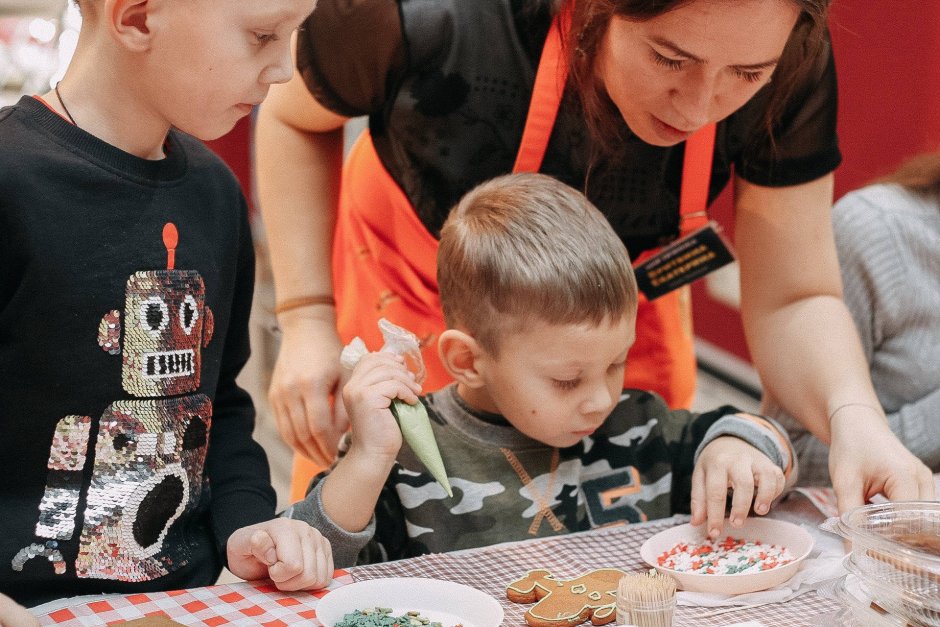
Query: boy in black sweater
x,y
126,269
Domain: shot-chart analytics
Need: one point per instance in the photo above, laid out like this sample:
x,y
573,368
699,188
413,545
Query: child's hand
x,y
12,614
290,552
376,381
730,462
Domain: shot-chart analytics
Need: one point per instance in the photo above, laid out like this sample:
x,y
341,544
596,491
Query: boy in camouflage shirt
x,y
536,433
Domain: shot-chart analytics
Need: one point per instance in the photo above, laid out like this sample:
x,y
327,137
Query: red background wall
x,y
888,64
235,149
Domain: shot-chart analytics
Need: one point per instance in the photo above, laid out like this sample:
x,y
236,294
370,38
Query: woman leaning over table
x,y
888,240
447,86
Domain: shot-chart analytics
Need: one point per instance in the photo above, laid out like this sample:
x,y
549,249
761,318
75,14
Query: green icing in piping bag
x,y
412,419
416,430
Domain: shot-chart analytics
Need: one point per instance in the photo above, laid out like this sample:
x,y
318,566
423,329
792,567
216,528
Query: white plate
x,y
767,530
446,602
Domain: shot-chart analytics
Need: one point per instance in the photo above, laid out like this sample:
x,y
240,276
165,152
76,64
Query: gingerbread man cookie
x,y
591,596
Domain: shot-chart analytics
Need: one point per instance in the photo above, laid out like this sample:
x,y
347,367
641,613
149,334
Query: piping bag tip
x,y
416,430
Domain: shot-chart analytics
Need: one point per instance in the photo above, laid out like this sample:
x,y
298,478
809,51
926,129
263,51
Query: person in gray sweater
x,y
888,240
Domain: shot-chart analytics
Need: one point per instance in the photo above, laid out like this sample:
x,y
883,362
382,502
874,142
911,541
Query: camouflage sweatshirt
x,y
507,486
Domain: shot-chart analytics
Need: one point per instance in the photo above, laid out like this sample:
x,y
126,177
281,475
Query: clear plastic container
x,y
646,600
895,591
653,614
893,555
856,605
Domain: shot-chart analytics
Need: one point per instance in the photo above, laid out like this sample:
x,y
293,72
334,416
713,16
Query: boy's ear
x,y
460,354
127,21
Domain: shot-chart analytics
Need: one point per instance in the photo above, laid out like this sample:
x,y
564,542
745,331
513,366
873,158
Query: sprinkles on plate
x,y
724,557
383,617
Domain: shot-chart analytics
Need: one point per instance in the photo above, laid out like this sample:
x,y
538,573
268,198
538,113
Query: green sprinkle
x,y
381,617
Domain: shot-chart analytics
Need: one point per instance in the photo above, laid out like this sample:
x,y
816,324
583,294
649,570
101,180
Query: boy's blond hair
x,y
525,247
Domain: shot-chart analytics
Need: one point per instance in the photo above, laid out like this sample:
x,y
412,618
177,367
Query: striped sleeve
x,y
763,433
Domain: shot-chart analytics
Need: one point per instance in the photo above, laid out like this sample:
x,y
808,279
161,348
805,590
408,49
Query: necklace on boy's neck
x,y
64,108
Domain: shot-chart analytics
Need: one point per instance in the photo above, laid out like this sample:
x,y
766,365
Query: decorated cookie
x,y
589,597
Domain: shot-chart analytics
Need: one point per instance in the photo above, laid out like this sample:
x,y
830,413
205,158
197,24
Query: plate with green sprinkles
x,y
408,602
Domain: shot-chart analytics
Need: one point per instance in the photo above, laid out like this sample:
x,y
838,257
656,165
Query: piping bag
x,y
412,419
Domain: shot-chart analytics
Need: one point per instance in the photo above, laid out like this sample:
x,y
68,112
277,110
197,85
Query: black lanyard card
x,y
683,261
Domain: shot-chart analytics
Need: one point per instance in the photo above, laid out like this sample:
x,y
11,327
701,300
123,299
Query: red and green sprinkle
x,y
730,556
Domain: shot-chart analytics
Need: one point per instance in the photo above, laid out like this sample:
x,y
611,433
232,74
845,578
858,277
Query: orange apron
x,y
385,260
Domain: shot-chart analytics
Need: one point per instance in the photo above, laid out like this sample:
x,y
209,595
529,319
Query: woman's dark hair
x,y
920,174
591,19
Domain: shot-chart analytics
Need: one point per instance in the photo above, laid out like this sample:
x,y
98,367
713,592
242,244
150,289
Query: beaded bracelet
x,y
304,301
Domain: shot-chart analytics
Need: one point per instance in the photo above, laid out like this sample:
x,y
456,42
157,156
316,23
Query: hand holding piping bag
x,y
412,419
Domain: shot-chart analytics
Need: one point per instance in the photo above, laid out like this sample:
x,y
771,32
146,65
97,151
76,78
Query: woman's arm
x,y
299,152
887,262
804,343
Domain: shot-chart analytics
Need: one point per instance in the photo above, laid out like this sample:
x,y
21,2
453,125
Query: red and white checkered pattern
x,y
254,603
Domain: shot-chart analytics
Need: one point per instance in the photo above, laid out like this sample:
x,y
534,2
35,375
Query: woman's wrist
x,y
302,302
308,315
847,407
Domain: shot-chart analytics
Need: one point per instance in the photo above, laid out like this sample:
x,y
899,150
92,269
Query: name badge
x,y
683,261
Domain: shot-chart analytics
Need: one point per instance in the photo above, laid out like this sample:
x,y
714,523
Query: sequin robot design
x,y
150,451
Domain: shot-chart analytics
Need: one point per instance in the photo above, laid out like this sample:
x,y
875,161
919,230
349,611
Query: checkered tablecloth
x,y
490,569
243,603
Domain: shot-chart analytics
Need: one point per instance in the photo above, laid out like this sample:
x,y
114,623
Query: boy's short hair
x,y
524,247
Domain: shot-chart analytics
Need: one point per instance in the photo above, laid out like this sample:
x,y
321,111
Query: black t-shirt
x,y
446,85
126,456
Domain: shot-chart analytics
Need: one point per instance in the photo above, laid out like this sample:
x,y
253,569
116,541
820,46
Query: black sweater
x,y
126,456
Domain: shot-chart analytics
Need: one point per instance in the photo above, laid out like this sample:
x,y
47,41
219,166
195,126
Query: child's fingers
x,y
742,484
716,497
13,614
383,381
324,572
316,565
770,482
379,397
291,575
698,495
262,547
382,366
392,388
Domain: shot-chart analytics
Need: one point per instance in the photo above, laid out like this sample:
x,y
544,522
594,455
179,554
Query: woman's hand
x,y
731,463
307,375
866,458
